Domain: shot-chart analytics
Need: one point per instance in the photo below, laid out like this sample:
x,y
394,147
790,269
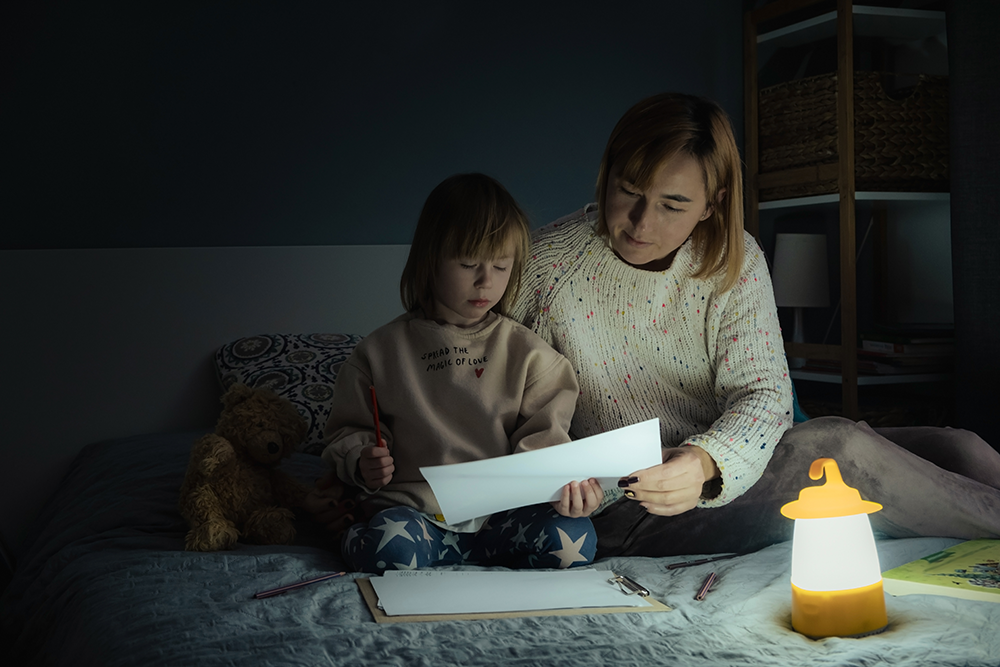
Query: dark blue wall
x,y
212,124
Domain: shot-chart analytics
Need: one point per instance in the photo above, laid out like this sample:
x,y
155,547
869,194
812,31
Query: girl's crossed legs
x,y
401,538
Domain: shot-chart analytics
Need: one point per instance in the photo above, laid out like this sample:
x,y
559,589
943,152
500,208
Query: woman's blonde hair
x,y
669,124
466,216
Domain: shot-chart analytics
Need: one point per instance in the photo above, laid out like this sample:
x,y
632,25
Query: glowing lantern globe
x,y
836,579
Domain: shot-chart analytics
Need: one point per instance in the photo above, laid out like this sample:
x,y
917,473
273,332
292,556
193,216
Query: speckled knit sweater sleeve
x,y
709,364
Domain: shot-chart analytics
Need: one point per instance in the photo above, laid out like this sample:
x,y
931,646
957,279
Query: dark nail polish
x,y
629,493
623,482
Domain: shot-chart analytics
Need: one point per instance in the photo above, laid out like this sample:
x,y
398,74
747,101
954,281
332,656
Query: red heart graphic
x,y
479,372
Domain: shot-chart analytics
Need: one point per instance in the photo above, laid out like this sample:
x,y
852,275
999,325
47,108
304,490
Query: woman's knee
x,y
858,450
826,437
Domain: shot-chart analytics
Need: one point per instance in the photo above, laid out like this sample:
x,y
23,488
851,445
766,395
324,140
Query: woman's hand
x,y
376,465
327,505
674,486
579,498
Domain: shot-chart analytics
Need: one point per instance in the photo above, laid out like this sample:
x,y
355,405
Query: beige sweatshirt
x,y
446,395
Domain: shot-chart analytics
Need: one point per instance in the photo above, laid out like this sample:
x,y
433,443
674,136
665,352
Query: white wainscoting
x,y
108,343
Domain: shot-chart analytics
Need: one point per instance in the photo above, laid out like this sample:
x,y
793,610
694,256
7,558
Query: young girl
x,y
456,381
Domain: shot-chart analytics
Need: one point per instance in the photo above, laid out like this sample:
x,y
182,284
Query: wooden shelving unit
x,y
845,22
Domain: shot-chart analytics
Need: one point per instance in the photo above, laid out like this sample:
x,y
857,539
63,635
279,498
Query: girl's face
x,y
645,227
466,288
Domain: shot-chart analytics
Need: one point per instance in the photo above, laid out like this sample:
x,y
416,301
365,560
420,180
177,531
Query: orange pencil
x,y
378,431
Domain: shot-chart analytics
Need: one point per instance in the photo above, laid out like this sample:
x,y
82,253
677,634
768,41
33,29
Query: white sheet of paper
x,y
403,592
479,488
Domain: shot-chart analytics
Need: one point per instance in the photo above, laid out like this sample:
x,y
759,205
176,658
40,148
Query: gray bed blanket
x,y
106,582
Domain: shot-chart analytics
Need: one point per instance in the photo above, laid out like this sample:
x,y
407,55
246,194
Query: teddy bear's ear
x,y
235,395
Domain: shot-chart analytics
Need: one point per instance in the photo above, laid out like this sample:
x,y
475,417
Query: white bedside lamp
x,y
836,578
800,278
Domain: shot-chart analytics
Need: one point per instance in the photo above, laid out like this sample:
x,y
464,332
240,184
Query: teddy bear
x,y
232,489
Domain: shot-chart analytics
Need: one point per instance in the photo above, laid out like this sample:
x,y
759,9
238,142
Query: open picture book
x,y
968,570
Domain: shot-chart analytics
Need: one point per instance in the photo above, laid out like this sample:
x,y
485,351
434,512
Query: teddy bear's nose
x,y
272,447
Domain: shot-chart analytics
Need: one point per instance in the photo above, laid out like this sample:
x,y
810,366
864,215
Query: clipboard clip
x,y
628,586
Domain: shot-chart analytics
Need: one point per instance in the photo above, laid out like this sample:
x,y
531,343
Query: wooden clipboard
x,y
371,599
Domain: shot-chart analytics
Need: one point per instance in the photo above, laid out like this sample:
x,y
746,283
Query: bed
x,y
105,581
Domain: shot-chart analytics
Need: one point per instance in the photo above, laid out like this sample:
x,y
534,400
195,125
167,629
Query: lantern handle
x,y
830,467
830,499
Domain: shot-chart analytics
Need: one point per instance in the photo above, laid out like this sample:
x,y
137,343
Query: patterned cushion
x,y
299,367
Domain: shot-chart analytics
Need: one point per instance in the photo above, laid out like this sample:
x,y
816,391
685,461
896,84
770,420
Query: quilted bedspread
x,y
106,582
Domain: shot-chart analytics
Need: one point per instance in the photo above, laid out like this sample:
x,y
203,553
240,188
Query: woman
x,y
663,304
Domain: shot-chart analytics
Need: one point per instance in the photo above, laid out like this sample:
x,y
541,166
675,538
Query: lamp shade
x,y
836,579
800,271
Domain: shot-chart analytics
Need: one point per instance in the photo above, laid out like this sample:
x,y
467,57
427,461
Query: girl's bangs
x,y
489,241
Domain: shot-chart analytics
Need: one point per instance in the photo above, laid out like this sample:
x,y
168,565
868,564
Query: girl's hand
x,y
376,466
579,498
674,486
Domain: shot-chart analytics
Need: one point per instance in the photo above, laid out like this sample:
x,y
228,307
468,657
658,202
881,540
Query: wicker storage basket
x,y
901,144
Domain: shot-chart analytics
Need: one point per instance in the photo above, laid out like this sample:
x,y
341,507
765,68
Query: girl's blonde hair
x,y
654,131
466,216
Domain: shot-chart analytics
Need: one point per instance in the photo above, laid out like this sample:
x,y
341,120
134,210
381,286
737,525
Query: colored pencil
x,y
378,431
278,591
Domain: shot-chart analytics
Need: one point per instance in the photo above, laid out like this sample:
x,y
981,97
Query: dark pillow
x,y
300,367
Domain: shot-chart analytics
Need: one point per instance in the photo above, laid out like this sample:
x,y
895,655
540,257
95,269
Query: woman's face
x,y
647,226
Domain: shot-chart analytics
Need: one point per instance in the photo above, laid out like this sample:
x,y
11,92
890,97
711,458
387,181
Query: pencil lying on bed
x,y
289,587
700,561
378,431
706,586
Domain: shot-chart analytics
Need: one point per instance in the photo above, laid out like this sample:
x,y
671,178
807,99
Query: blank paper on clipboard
x,y
472,592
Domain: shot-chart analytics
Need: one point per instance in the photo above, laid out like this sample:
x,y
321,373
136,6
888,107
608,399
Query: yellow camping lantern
x,y
836,579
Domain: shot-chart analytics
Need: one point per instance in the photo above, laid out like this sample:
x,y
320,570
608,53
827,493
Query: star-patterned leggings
x,y
401,538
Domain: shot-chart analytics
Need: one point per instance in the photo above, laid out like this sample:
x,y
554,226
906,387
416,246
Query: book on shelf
x,y
969,570
944,360
867,366
916,349
905,335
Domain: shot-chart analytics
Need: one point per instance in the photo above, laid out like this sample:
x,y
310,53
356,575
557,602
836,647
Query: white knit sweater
x,y
662,344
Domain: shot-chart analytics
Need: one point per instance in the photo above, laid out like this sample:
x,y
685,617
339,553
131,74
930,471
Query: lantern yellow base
x,y
849,613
